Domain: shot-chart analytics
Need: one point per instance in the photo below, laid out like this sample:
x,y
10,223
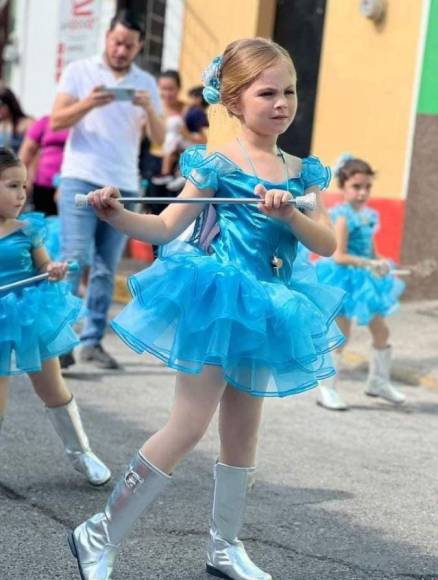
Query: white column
x,y
173,28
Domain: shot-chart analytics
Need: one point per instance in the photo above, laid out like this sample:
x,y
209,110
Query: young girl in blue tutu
x,y
222,309
372,292
35,320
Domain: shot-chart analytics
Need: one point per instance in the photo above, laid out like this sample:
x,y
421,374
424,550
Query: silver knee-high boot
x,y
68,425
226,555
95,542
379,382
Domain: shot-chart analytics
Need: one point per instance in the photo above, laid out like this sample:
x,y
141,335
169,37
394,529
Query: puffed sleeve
x,y
203,170
35,228
344,210
374,220
315,173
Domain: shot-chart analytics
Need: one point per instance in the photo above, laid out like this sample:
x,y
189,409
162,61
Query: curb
x,y
408,375
121,293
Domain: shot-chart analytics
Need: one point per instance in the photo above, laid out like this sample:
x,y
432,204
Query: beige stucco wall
x,y
366,93
209,26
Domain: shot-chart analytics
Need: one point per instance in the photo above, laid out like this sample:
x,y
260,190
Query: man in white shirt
x,y
102,149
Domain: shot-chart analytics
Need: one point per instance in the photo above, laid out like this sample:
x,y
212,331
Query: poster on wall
x,y
79,26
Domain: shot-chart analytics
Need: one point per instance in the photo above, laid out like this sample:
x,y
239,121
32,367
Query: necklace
x,y
280,154
276,261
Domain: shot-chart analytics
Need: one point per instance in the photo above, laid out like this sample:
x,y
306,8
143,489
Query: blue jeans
x,y
92,242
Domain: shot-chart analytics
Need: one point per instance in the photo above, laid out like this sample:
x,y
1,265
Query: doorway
x,y
299,28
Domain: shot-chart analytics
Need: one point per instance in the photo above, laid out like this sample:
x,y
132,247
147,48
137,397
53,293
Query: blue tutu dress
x,y
367,295
224,304
35,321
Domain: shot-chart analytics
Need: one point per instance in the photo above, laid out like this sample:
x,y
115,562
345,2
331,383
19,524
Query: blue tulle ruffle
x,y
367,295
36,324
271,339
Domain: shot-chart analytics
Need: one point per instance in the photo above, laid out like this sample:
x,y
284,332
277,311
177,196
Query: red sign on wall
x,y
78,31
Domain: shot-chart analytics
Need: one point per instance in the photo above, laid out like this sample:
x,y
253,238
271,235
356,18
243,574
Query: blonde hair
x,y
242,62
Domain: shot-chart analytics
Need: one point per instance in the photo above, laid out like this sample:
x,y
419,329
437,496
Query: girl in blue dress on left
x,y
35,320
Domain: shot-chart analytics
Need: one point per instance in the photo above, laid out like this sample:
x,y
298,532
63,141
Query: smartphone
x,y
121,93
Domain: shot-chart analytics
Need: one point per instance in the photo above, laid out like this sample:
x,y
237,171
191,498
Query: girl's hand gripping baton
x,y
72,267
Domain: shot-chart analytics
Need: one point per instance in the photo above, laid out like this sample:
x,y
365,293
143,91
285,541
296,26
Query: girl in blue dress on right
x,y
372,292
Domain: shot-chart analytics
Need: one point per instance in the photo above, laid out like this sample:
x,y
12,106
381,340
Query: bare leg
x,y
95,542
239,421
49,384
345,326
328,396
379,331
4,382
167,164
379,377
196,400
64,415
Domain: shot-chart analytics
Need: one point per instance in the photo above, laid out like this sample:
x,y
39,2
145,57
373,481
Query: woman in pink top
x,y
43,149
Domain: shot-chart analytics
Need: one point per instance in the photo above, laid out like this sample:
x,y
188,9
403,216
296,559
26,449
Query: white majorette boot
x,y
68,425
378,384
226,555
96,542
328,396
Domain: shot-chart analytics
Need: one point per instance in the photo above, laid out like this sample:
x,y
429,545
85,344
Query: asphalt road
x,y
346,496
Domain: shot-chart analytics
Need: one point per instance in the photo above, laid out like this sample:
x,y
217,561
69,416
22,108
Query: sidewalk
x,y
414,336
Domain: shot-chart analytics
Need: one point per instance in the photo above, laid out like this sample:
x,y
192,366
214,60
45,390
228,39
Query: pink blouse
x,y
51,151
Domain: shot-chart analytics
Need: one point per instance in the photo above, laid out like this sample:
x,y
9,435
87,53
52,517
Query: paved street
x,y
347,496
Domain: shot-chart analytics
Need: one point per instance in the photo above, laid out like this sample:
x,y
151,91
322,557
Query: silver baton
x,y
72,267
305,202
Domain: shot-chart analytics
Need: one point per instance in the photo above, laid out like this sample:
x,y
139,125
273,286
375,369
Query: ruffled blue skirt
x,y
271,339
367,295
36,324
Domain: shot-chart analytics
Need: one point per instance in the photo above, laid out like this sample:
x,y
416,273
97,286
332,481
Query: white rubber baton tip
x,y
307,202
81,200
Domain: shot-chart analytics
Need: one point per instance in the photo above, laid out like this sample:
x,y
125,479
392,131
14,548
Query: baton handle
x,y
401,272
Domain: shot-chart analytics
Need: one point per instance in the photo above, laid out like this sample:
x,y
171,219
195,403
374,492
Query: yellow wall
x,y
366,88
210,25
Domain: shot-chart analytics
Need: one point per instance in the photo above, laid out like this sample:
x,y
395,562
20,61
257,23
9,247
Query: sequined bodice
x,y
15,257
361,226
248,237
16,262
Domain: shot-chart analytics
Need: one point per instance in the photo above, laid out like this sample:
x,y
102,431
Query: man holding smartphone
x,y
102,149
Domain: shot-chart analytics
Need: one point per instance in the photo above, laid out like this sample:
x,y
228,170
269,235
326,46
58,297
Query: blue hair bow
x,y
211,80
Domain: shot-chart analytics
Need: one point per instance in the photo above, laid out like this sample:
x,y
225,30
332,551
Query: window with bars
x,y
152,14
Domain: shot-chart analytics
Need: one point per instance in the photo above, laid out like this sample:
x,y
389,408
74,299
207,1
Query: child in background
x,y
356,267
194,131
169,84
196,120
36,320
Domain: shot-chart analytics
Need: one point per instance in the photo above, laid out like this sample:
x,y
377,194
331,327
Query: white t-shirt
x,y
103,146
